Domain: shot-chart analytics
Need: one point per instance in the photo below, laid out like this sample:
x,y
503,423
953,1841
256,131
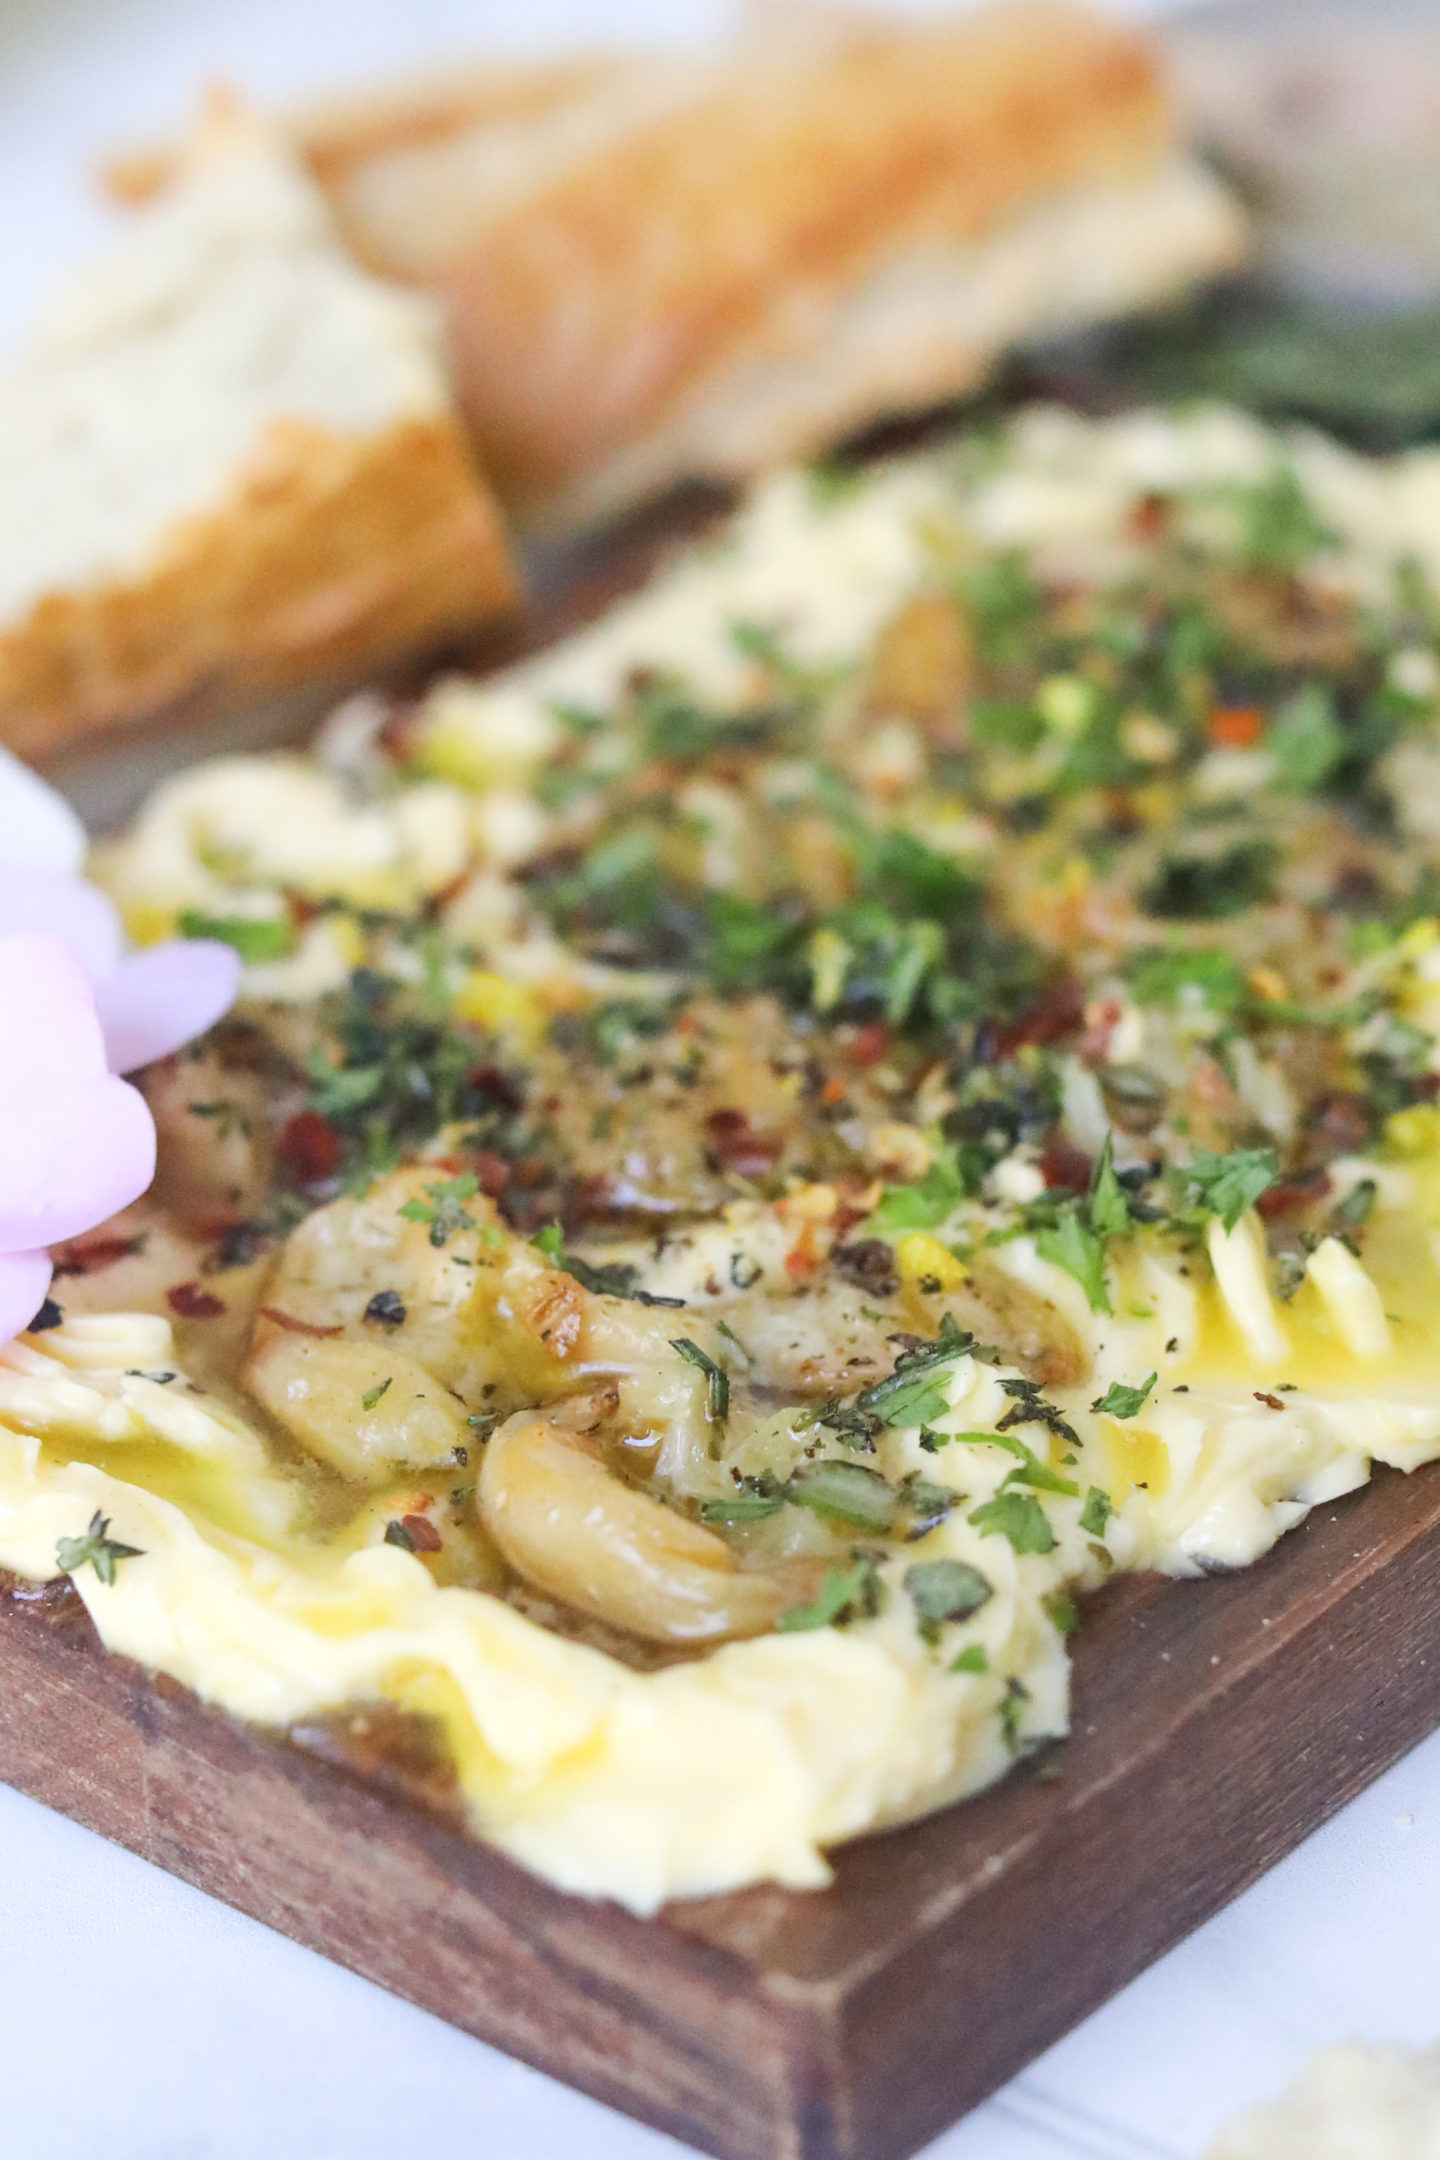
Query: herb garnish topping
x,y
1120,1401
95,1548
716,1377
444,1207
1227,1185
847,1593
1017,1516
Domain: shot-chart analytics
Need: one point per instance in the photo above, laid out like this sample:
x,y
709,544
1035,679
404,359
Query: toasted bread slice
x,y
692,264
228,461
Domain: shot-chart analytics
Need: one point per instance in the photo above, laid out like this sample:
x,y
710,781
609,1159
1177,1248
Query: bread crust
x,y
335,135
622,246
581,313
329,556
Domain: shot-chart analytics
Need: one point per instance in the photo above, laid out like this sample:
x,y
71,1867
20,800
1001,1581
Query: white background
x,y
140,2021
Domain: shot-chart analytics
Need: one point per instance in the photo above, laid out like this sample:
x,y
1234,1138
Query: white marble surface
x,y
141,2021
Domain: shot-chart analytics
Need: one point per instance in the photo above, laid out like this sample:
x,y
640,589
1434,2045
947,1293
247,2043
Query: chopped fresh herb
x,y
1063,1611
1096,1512
853,1427
1120,1401
95,1548
916,1392
578,720
1279,529
372,1395
1227,1185
927,1502
1029,1470
1109,1209
974,1658
1070,1243
1305,741
925,1203
946,1589
1351,1213
386,1309
717,1379
740,1507
549,1241
847,1492
1017,1516
1210,888
1012,1712
1073,1234
444,1209
254,938
613,1278
1031,1408
847,1593
1164,977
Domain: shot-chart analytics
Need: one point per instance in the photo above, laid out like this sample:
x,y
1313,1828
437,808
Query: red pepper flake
x,y
529,1172
397,735
492,1173
97,1253
869,1043
1057,1012
1340,1123
301,911
310,1147
1149,516
1064,1167
1300,1190
192,1303
1101,1020
423,1535
735,1144
497,1088
1271,1402
297,1327
1234,727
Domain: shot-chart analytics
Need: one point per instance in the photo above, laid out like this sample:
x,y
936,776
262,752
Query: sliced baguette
x,y
228,462
683,265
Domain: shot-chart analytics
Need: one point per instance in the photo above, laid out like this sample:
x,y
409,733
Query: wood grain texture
x,y
1216,1724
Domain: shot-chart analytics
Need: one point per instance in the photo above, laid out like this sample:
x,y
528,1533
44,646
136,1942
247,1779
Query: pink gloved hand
x,y
76,1144
75,1008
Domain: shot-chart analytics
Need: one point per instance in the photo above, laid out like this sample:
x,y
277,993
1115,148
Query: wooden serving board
x,y
1216,1723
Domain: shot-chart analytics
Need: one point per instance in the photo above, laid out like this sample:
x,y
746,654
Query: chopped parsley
x,y
926,1202
256,938
444,1208
1073,1234
1227,1185
1120,1401
848,1492
847,1593
916,1392
1096,1512
1305,741
946,1589
974,1658
1017,1516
